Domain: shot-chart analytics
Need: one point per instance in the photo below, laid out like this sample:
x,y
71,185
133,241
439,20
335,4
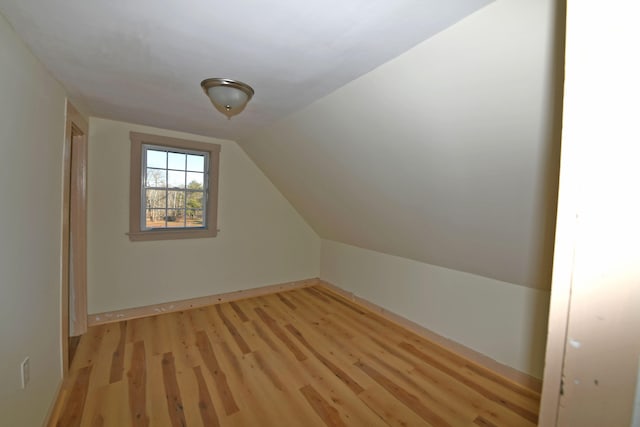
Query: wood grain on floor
x,y
306,357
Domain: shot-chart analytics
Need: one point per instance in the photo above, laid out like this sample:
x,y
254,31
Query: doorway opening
x,y
74,235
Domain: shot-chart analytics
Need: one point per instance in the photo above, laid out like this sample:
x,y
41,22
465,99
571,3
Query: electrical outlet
x,y
25,371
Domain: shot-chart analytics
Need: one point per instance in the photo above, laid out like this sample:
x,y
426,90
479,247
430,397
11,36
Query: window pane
x,y
155,199
195,163
155,218
195,200
177,161
194,218
176,179
195,180
175,209
156,159
175,200
178,223
156,178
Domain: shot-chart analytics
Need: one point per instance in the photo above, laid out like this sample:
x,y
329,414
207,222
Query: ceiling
x,y
412,127
142,61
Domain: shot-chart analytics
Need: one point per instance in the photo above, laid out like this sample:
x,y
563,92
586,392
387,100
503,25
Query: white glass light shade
x,y
229,97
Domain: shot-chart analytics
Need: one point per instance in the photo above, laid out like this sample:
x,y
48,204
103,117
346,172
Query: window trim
x,y
136,233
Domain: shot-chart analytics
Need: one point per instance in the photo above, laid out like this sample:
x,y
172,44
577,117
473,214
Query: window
x,y
174,188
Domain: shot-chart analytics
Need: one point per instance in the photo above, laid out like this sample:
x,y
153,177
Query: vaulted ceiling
x,y
420,128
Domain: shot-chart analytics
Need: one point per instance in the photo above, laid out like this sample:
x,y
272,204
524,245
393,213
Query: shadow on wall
x,y
533,360
551,172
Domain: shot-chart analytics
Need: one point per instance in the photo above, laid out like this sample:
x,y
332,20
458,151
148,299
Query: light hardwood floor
x,y
306,357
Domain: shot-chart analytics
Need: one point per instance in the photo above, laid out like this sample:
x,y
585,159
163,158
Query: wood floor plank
x,y
158,344
242,344
343,353
158,408
172,391
265,336
454,411
358,325
211,362
526,414
275,328
300,300
60,402
411,401
137,378
278,310
341,374
112,408
88,348
216,328
389,408
341,300
525,397
314,292
190,394
274,398
268,371
72,414
293,373
368,326
351,409
481,421
207,410
243,317
286,301
489,376
471,369
335,335
455,393
117,359
92,415
325,411
183,341
349,405
302,357
232,359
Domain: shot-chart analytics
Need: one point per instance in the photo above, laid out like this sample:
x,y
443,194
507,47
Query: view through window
x,y
173,191
175,188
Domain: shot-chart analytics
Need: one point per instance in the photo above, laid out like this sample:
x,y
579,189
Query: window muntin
x,y
174,187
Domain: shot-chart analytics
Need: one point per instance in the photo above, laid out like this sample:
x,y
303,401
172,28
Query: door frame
x,y
74,202
593,322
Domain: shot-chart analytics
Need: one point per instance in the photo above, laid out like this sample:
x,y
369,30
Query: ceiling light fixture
x,y
228,96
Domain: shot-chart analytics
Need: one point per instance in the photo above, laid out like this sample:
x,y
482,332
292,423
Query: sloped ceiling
x,y
142,61
447,154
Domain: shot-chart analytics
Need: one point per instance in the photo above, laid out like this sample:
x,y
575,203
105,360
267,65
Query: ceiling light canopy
x,y
228,96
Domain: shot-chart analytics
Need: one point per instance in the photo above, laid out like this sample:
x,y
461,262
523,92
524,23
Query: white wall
x,y
262,239
501,320
446,154
32,108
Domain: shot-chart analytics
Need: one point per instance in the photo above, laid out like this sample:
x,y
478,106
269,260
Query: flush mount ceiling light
x,y
228,96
